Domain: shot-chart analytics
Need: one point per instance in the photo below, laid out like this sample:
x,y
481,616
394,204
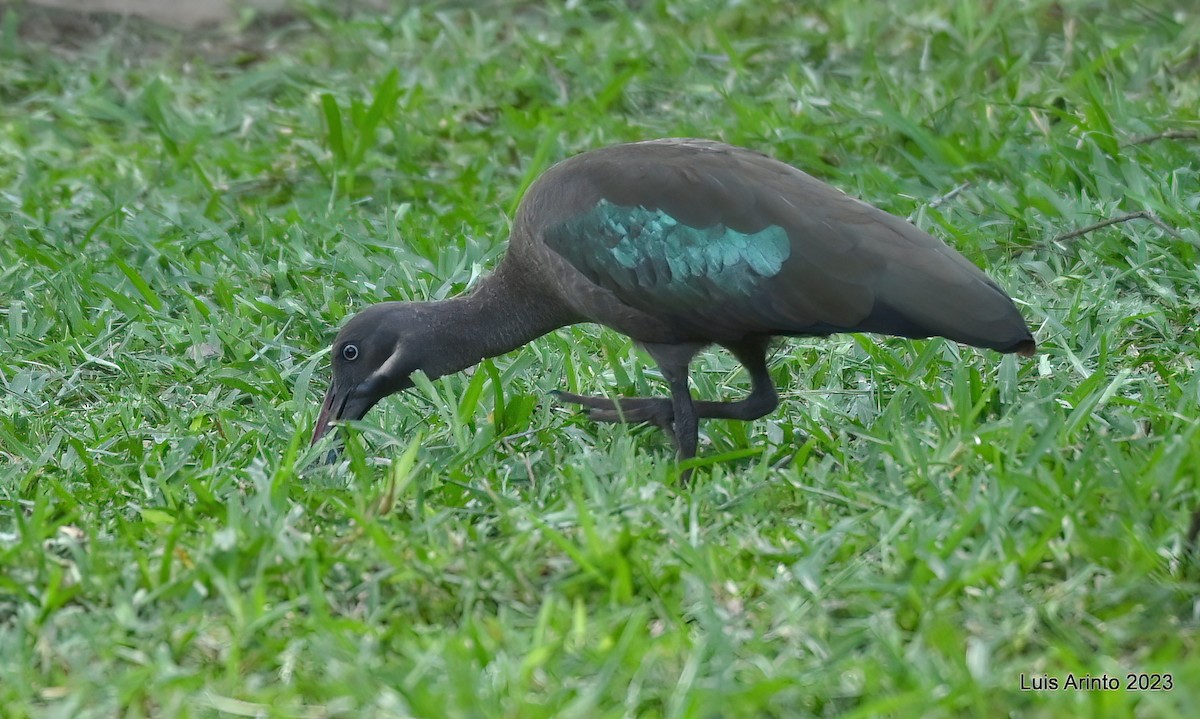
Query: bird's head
x,y
373,356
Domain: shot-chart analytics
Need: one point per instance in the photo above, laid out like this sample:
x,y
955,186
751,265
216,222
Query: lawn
x,y
919,530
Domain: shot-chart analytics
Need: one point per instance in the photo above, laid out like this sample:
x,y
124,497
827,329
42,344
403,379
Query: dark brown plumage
x,y
680,244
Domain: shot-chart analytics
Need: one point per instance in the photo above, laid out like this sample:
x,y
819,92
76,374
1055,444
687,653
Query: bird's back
x,y
703,240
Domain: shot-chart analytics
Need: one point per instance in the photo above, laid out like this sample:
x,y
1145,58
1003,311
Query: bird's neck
x,y
499,315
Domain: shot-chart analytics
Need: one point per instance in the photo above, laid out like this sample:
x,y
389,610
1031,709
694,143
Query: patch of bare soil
x,y
147,26
182,14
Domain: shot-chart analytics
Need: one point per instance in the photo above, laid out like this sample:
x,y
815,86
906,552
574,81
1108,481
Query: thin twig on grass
x,y
943,199
1167,135
1139,215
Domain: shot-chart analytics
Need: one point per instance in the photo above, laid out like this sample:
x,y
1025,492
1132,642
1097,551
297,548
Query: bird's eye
x,y
350,352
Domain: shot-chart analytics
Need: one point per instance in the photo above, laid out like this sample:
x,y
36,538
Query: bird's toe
x,y
585,400
656,412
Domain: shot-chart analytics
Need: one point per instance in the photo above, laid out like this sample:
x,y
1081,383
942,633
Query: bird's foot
x,y
630,410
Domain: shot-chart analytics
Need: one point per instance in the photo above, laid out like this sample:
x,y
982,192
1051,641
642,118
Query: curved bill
x,y
338,406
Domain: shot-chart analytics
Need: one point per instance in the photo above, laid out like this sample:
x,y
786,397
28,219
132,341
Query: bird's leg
x,y
679,414
761,401
673,360
633,410
685,425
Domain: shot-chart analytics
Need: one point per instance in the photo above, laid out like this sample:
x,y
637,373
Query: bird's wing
x,y
727,242
710,279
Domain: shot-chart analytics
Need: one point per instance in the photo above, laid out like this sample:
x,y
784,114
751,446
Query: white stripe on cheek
x,y
390,365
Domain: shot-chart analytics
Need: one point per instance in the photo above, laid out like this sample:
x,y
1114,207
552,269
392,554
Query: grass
x,y
186,219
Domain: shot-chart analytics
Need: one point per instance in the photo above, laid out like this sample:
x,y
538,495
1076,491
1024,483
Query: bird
x,y
680,244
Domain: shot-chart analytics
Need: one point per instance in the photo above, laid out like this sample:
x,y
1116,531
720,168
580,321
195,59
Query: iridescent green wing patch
x,y
648,258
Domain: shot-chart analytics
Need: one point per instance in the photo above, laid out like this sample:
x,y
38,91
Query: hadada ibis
x,y
680,244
